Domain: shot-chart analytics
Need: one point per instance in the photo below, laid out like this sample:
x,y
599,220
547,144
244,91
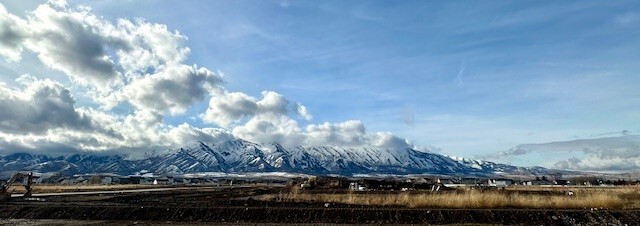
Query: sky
x,y
545,83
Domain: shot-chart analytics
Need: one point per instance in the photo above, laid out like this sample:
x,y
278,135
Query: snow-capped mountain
x,y
503,169
245,156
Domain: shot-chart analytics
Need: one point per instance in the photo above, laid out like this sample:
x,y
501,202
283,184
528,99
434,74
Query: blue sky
x,y
466,78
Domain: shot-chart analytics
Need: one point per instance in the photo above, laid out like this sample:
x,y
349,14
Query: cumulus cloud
x,y
228,108
273,102
303,112
128,61
268,120
284,130
346,133
12,34
173,88
266,128
42,105
74,42
133,62
351,133
132,134
137,66
185,133
43,117
149,45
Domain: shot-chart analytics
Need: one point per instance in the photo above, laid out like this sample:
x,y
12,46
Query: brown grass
x,y
468,199
573,188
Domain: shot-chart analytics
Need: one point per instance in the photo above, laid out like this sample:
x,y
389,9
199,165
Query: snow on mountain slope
x,y
498,168
245,156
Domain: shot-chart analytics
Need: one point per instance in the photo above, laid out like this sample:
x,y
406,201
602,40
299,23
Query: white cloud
x,y
227,108
149,46
267,120
132,134
279,128
594,163
303,112
351,133
273,102
174,89
130,61
600,154
139,67
42,105
347,133
58,3
12,34
186,133
75,42
267,128
43,117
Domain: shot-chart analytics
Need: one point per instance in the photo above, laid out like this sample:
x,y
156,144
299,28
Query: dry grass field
x,y
556,198
522,197
284,205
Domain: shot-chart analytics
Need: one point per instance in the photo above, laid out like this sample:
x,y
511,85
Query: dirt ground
x,y
57,222
219,205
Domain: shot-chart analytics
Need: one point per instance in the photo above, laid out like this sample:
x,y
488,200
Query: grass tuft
x,y
475,199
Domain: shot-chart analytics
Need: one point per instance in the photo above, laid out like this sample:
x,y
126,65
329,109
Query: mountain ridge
x,y
245,156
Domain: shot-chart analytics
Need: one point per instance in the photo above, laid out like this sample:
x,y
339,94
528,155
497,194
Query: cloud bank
x,y
140,67
621,153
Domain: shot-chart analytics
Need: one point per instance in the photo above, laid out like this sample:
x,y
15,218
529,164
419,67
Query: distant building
x,y
355,186
447,182
562,182
163,180
499,182
541,182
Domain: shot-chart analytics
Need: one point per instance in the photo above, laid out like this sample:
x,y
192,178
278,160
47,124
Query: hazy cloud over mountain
x,y
601,154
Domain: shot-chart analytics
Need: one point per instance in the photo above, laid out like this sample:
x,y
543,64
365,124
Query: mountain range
x,y
244,156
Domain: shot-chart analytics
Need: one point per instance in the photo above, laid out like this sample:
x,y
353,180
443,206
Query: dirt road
x,y
104,192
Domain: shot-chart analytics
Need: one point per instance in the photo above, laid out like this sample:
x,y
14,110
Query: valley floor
x,y
251,205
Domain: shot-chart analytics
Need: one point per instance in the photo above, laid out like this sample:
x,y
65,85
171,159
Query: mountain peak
x,y
244,156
